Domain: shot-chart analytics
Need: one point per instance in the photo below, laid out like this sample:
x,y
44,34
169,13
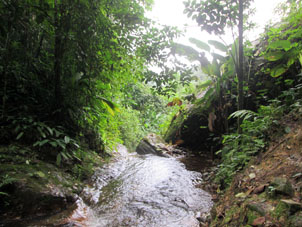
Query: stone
x,y
292,205
295,220
149,145
282,186
257,207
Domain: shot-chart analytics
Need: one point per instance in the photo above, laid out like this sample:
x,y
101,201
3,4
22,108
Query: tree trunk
x,y
57,60
240,72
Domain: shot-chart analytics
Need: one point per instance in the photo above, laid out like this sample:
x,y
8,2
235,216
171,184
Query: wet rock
x,y
292,205
151,144
145,147
257,207
37,191
282,186
296,220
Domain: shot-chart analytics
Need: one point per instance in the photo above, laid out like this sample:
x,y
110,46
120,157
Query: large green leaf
x,y
218,45
110,106
186,51
281,44
300,58
219,57
235,48
278,71
274,56
205,84
201,45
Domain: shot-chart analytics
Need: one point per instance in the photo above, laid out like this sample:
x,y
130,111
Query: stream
x,y
141,191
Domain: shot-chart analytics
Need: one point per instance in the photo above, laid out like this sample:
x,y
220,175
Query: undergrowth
x,y
257,130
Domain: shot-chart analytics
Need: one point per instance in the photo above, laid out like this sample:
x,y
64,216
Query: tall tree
x,y
214,16
240,70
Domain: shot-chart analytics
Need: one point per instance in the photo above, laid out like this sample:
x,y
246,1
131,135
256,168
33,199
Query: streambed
x,y
139,191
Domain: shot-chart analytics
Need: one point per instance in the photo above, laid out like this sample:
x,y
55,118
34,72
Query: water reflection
x,y
145,191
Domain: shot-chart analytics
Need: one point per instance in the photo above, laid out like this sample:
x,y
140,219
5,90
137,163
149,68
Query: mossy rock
x,y
292,206
281,212
251,216
233,211
37,189
281,186
295,220
256,207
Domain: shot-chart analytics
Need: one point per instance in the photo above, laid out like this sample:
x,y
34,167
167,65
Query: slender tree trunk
x,y
240,72
5,79
57,60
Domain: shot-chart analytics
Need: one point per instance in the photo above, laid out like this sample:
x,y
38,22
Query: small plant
x,y
271,190
240,148
41,135
5,180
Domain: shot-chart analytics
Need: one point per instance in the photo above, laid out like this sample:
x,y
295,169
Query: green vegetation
x,y
74,80
80,77
284,55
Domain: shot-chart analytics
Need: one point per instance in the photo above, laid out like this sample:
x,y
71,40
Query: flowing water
x,y
144,191
139,190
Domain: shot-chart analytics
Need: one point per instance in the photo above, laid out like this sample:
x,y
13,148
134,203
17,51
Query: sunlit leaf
x,y
281,44
201,45
274,56
218,45
67,139
110,106
244,114
278,71
186,51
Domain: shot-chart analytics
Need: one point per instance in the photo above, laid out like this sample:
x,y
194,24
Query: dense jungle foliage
x,y
271,84
74,80
73,71
79,75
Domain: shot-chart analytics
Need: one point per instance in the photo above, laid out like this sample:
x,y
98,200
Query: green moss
x,y
251,216
281,211
174,127
230,213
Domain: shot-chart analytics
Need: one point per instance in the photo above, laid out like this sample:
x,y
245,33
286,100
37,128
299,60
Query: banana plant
x,y
219,70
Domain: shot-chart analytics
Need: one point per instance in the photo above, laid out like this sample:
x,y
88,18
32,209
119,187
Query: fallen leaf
x,y
249,191
258,221
240,195
252,175
259,189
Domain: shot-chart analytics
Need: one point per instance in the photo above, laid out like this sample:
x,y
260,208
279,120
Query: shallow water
x,y
145,190
137,191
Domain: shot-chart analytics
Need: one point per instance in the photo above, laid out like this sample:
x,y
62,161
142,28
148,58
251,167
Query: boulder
x,y
282,186
37,191
151,144
292,205
257,207
296,220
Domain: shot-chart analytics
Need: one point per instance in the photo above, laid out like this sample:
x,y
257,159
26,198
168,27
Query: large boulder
x,y
282,186
151,144
37,190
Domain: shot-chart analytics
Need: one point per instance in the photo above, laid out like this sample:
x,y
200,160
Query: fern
x,y
244,114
